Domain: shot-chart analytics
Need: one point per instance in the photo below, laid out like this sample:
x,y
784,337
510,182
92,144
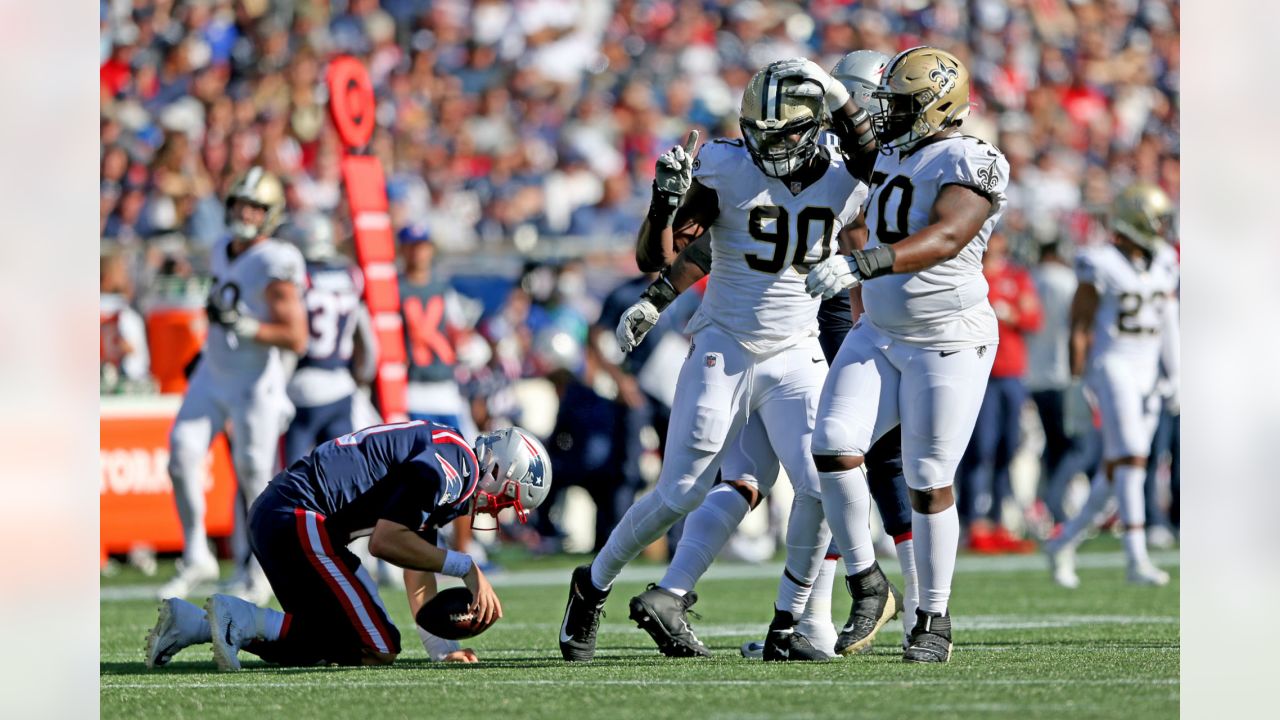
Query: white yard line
x,y
728,571
171,682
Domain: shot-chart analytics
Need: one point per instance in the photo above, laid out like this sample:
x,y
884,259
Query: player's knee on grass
x,y
931,502
373,657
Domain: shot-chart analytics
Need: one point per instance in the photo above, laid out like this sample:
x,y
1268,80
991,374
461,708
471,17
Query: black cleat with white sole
x,y
665,616
581,617
785,644
875,602
930,638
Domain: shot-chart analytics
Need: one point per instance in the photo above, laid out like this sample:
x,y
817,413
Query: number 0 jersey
x,y
1131,303
945,306
764,232
245,278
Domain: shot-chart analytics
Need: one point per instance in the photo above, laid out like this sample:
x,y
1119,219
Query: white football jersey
x,y
1131,303
764,232
244,279
944,306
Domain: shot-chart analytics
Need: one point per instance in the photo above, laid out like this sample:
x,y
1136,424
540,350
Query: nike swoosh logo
x,y
785,653
228,634
564,636
818,360
945,353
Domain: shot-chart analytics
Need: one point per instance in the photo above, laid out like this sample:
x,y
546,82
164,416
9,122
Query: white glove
x,y
674,170
832,276
437,648
1077,409
834,93
636,322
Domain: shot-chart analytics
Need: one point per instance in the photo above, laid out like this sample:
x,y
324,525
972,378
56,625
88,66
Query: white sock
x,y
706,531
848,504
643,523
910,582
936,539
1073,530
268,623
807,541
816,623
1128,482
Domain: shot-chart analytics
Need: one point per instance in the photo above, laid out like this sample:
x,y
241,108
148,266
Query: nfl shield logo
x,y
710,360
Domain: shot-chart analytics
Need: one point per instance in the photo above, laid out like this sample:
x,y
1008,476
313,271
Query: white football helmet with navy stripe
x,y
780,120
515,472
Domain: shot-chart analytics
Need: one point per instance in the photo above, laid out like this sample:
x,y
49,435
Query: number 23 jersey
x,y
943,307
764,230
1131,303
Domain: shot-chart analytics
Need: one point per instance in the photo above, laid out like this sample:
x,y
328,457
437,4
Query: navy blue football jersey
x,y
419,474
332,298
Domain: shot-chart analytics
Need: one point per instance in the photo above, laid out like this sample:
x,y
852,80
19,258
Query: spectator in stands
x,y
1048,375
985,469
122,341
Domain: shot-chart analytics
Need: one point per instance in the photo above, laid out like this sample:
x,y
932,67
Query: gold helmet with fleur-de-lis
x,y
924,90
1145,215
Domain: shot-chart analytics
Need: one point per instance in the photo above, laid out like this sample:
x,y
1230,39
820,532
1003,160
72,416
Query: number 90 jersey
x,y
943,307
764,237
1131,303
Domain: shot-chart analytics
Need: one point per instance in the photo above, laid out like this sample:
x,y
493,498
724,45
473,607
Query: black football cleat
x,y
581,617
791,646
664,615
784,644
930,638
875,602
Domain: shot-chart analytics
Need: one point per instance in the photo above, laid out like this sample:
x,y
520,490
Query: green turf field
x,y
1025,648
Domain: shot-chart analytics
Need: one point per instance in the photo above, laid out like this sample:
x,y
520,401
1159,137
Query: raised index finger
x,y
691,142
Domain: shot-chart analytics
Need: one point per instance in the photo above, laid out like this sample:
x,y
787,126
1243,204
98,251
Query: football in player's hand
x,y
448,615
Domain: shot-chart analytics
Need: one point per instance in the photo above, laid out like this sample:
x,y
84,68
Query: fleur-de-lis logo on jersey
x,y
944,76
988,176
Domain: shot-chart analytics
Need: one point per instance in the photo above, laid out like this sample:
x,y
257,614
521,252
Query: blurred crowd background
x,y
520,136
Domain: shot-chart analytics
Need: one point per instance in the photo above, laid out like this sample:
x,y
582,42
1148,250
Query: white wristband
x,y
437,648
456,564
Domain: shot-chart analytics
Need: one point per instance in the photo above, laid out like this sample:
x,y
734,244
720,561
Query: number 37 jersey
x,y
1131,303
767,233
945,306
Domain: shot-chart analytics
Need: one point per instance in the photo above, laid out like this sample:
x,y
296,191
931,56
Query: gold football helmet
x,y
924,90
261,188
1144,215
780,121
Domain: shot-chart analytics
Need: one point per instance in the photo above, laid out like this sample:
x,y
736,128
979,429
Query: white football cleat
x,y
179,625
1147,574
189,576
231,626
1062,564
753,650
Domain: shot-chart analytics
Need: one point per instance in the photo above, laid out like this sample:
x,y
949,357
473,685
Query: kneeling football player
x,y
397,483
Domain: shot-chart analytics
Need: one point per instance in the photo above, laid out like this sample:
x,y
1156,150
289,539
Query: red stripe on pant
x,y
307,548
362,592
